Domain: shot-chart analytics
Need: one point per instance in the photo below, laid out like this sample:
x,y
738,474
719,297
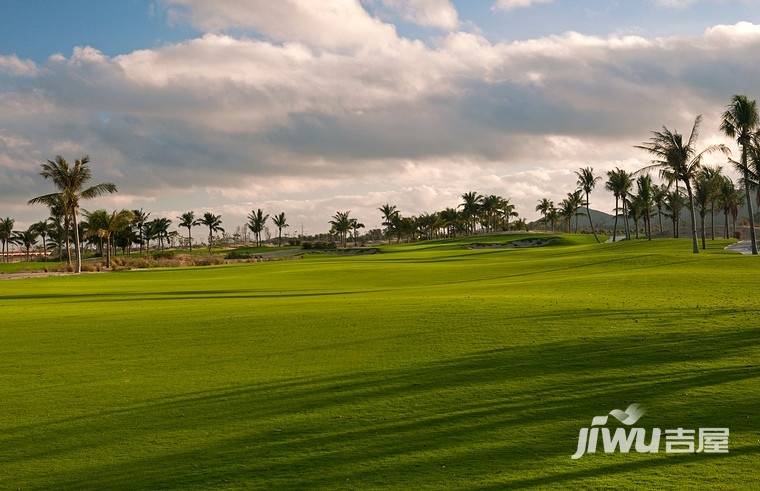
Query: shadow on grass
x,y
514,408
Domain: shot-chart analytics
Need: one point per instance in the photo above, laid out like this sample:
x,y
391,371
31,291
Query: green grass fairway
x,y
427,366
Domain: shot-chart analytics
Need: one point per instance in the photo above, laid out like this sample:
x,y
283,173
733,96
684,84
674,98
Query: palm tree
x,y
280,222
507,211
341,224
702,190
214,224
70,181
658,196
139,221
740,121
586,182
575,199
682,160
43,229
567,210
256,222
117,220
187,220
6,235
553,216
645,201
619,183
674,203
729,198
543,207
27,239
390,217
355,226
713,179
471,206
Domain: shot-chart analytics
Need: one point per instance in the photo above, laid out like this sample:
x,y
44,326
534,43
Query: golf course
x,y
464,364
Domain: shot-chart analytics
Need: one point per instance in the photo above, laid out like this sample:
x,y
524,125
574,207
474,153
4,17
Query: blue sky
x,y
311,107
36,29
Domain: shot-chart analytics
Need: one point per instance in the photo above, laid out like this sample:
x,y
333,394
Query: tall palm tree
x,y
507,211
214,224
187,220
256,222
390,216
740,121
71,181
553,216
280,222
587,182
682,160
6,235
543,207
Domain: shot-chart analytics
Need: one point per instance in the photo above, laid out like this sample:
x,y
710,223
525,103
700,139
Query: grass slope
x,y
426,366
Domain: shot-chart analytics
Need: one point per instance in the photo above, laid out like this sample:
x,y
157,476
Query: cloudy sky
x,y
309,107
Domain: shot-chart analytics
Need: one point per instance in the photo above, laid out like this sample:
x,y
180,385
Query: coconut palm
x,y
507,211
543,207
702,192
139,221
355,226
6,235
256,222
187,220
567,210
674,203
645,201
390,217
740,121
117,220
619,183
713,179
553,216
43,229
341,224
27,239
71,181
682,160
729,199
214,224
587,182
471,207
280,222
658,196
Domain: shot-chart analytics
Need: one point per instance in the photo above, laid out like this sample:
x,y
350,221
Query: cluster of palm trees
x,y
342,225
476,213
687,182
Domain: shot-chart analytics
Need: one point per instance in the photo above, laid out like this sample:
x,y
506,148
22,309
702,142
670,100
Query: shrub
x,y
163,255
236,254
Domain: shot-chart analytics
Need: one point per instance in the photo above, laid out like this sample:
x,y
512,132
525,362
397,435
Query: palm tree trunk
x,y
66,225
695,247
725,228
77,245
659,218
753,239
44,249
617,212
588,212
625,219
702,223
712,221
108,251
190,239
